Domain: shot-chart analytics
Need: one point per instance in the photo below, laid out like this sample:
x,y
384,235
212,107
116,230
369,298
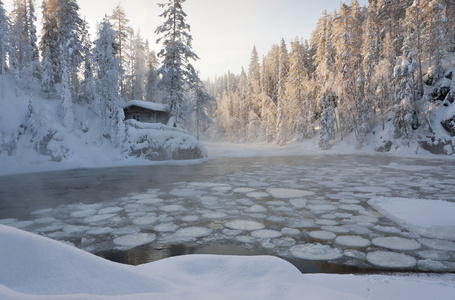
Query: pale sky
x,y
224,31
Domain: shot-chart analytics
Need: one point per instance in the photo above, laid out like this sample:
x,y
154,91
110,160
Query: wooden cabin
x,y
147,112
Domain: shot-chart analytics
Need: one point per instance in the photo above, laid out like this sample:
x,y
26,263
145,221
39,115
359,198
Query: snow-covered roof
x,y
148,105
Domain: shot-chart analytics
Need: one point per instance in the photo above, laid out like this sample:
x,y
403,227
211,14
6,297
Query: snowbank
x,y
429,218
33,267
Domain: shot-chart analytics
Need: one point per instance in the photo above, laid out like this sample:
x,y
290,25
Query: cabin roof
x,y
148,105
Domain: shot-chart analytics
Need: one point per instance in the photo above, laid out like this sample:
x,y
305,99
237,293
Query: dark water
x,y
21,195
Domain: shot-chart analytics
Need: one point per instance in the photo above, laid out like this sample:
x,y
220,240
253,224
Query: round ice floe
x,y
83,213
364,219
134,240
214,215
146,220
316,252
298,203
100,231
231,232
322,235
276,203
222,189
325,222
302,224
285,242
166,227
290,231
352,241
256,209
243,190
98,218
321,207
143,196
245,239
431,265
349,201
257,195
21,224
396,243
246,225
7,221
391,260
288,193
387,229
190,233
42,211
342,215
372,189
336,229
433,255
351,207
438,244
191,218
266,234
150,201
109,210
357,229
172,208
45,220
354,254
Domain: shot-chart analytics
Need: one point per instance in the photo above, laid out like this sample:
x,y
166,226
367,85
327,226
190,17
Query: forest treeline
x,y
362,66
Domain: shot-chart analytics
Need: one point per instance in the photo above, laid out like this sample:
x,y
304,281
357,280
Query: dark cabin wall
x,y
145,115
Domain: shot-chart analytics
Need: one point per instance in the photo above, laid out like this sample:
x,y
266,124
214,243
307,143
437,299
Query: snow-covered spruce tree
x,y
123,33
176,71
151,86
362,112
49,47
282,99
24,41
327,131
70,53
108,104
203,103
4,38
405,112
295,88
88,83
254,91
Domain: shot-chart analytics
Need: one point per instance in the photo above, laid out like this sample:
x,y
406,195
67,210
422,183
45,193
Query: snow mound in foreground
x,y
34,267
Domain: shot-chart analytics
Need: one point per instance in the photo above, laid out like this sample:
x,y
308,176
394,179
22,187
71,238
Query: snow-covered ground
x,y
34,267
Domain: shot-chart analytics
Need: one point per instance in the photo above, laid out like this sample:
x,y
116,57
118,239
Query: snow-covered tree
x,y
151,87
282,99
176,70
327,131
254,86
4,37
123,32
49,46
108,104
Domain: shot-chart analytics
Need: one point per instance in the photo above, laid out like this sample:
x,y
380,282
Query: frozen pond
x,y
306,208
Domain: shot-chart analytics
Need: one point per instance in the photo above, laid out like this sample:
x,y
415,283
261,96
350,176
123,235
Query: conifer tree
x,y
176,71
108,104
4,38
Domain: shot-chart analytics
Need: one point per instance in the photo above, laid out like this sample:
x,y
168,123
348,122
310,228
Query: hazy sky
x,y
224,31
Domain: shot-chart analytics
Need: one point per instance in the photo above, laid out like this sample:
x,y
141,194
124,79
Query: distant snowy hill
x,y
33,137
